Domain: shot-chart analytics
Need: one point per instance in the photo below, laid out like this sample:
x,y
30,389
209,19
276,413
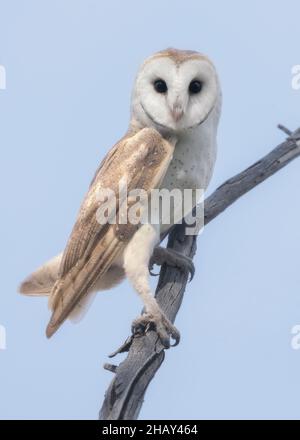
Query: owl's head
x,y
175,90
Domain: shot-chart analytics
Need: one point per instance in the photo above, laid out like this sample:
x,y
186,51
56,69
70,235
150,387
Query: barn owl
x,y
170,143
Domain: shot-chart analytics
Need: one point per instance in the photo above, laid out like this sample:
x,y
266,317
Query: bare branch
x,y
124,397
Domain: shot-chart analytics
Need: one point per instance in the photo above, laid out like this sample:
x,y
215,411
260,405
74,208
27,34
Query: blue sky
x,y
70,66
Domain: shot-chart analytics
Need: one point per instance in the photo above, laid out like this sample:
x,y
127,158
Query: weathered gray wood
x,y
124,397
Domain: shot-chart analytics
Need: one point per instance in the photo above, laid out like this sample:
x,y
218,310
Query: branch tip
x,y
285,130
124,347
110,367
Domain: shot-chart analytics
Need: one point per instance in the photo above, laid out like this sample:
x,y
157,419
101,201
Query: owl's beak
x,y
177,112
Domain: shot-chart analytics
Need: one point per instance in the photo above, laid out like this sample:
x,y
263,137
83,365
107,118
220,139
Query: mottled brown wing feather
x,y
143,160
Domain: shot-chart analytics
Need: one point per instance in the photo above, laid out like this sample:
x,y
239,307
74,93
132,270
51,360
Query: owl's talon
x,y
161,324
152,273
172,258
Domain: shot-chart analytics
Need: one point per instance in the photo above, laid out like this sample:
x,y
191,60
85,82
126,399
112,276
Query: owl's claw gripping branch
x,y
171,258
161,324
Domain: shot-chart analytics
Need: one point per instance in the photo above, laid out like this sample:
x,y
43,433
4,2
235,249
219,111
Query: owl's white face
x,y
173,96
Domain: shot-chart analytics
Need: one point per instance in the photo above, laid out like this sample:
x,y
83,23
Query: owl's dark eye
x,y
195,87
160,86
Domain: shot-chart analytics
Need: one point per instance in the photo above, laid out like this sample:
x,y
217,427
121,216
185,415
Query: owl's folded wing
x,y
141,160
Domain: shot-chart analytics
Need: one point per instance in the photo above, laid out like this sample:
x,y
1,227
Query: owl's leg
x,y
136,263
172,258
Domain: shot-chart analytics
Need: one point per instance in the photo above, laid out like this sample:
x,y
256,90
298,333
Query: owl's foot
x,y
171,258
160,323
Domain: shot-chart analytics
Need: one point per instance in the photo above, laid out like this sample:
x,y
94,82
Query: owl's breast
x,y
190,169
192,165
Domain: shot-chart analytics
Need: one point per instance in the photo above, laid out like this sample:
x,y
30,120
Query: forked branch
x,y
124,397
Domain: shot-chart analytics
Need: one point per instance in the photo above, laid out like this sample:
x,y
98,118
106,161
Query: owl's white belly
x,y
191,167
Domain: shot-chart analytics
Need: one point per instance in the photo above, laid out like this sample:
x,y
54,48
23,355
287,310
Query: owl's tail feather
x,y
40,282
